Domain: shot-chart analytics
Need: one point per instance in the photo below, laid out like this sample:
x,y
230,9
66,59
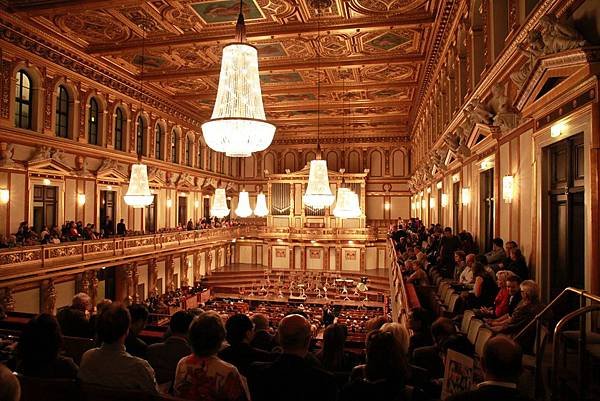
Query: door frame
x,y
578,122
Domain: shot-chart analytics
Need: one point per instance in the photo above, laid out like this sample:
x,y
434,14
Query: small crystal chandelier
x,y
219,206
243,208
341,209
238,124
318,193
261,209
138,193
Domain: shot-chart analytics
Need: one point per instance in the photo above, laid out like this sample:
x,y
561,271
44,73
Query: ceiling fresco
x,y
369,55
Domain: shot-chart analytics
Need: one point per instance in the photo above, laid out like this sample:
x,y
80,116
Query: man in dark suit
x,y
74,320
262,338
501,364
428,357
165,356
121,228
291,377
240,353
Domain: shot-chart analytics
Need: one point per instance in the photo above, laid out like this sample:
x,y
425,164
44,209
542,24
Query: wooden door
x,y
486,216
151,217
456,207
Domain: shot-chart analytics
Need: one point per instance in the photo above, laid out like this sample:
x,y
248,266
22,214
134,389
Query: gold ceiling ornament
x,y
219,205
318,194
138,192
238,125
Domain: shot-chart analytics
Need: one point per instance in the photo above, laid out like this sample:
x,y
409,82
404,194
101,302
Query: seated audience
x,y
263,339
134,344
459,264
38,347
400,333
497,254
110,365
240,353
428,357
484,288
333,356
517,264
419,276
165,356
466,276
291,376
10,390
418,322
501,363
203,375
501,303
383,377
74,320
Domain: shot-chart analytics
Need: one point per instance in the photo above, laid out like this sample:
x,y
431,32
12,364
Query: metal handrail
x,y
581,346
582,293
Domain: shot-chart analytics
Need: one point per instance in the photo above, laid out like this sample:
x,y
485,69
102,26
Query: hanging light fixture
x,y
318,193
341,209
238,124
219,206
243,208
261,209
353,204
138,193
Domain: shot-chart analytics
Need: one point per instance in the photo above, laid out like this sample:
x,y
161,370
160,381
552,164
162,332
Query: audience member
x,y
165,356
501,364
501,302
428,357
484,288
10,390
517,264
333,356
497,254
291,377
418,322
203,375
110,365
134,344
121,227
262,339
74,319
240,353
38,347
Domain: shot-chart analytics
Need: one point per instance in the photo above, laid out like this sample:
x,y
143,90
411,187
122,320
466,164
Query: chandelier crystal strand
x,y
138,192
261,209
318,193
238,125
219,206
243,208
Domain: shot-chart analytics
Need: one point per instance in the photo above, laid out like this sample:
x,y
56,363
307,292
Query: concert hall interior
x,y
303,200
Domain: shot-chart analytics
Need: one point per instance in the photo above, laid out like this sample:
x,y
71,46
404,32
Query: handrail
x,y
581,345
582,293
395,269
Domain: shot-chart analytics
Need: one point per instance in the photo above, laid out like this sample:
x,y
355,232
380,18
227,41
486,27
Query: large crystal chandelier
x,y
318,193
243,208
341,209
238,124
261,209
219,206
138,193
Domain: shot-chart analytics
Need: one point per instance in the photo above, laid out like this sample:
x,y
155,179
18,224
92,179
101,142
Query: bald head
x,y
10,389
501,359
294,334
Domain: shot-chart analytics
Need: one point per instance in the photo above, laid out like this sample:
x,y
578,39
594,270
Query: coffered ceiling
x,y
373,53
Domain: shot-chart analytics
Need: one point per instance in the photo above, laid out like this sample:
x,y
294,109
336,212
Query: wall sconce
x,y
81,199
431,203
444,200
109,187
439,185
46,182
169,203
4,196
429,190
456,178
557,129
508,182
196,204
421,193
386,206
487,164
465,195
423,203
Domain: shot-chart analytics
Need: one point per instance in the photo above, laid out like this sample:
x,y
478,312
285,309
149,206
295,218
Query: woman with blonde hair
x,y
400,334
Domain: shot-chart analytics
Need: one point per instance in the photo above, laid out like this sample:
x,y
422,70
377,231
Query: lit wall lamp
x,y
557,129
465,195
46,182
423,203
508,182
386,205
196,204
438,185
429,190
487,164
455,178
169,203
444,200
421,193
4,196
81,199
431,203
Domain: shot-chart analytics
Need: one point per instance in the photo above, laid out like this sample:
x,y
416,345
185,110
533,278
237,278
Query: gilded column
x,y
8,301
48,299
152,277
208,256
135,279
363,259
338,258
169,267
303,258
184,266
218,257
83,284
94,287
197,274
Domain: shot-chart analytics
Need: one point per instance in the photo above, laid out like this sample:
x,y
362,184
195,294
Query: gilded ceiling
x,y
371,54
